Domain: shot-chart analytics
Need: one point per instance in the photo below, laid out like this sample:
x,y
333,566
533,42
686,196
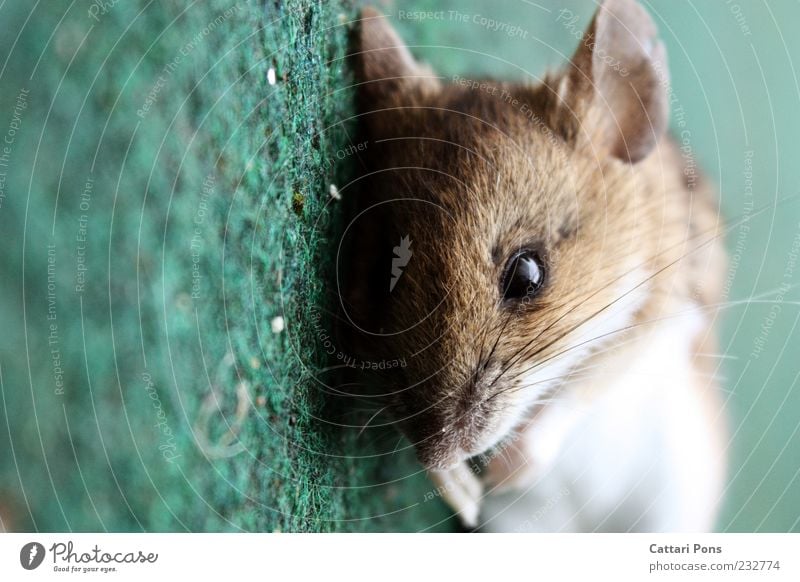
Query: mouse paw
x,y
462,491
518,477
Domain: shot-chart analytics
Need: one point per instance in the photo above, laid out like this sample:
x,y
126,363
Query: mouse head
x,y
503,225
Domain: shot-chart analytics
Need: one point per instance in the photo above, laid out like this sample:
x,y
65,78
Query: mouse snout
x,y
452,430
443,450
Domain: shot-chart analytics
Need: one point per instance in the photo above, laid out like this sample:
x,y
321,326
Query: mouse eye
x,y
523,275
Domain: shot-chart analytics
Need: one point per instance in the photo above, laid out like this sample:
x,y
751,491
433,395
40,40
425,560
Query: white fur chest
x,y
636,455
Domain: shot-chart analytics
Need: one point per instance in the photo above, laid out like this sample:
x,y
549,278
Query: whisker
x,y
521,353
371,418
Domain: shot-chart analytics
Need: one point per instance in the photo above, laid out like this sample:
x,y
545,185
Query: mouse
x,y
533,274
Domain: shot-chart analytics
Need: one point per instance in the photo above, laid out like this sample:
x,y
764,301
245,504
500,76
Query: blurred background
x,y
167,222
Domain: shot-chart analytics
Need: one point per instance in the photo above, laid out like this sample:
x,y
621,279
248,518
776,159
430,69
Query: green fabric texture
x,y
165,199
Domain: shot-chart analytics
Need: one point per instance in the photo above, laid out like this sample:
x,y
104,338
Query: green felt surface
x,y
162,399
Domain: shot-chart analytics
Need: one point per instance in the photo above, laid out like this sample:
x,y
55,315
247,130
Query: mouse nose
x,y
450,431
452,460
440,457
448,446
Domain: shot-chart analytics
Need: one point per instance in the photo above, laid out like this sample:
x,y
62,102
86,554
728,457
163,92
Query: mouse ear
x,y
387,74
615,91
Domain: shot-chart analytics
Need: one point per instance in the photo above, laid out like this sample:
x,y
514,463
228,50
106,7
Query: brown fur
x,y
471,176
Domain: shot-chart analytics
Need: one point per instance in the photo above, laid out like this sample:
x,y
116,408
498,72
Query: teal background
x,y
92,458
